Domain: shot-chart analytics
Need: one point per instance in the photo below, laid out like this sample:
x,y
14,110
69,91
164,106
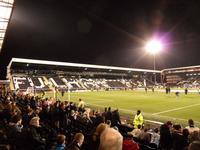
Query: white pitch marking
x,y
175,109
128,110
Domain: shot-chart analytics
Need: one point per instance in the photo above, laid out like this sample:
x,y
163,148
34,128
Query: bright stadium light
x,y
153,47
5,13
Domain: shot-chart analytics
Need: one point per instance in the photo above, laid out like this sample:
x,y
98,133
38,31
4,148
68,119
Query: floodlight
x,y
154,46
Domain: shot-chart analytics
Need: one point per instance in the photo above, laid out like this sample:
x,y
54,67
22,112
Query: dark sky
x,y
104,32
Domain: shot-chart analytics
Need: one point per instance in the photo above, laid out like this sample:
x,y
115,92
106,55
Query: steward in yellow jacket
x,y
138,120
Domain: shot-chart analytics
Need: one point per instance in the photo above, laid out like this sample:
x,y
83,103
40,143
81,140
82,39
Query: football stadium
x,y
59,105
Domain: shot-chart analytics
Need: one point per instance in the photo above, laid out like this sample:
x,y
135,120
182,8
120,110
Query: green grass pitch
x,y
155,106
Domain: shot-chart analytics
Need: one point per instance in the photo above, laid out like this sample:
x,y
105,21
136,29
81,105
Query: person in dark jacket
x,y
77,142
165,136
30,138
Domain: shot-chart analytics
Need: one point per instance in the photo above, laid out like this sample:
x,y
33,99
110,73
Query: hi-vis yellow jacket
x,y
138,120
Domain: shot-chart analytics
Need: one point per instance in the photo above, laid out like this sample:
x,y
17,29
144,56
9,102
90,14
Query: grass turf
x,y
155,106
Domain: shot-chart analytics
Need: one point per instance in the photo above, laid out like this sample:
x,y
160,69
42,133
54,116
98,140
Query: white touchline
x,y
175,109
128,110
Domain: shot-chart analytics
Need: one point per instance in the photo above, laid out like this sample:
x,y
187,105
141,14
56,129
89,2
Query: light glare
x,y
154,46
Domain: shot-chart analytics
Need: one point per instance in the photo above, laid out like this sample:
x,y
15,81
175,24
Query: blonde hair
x,y
34,121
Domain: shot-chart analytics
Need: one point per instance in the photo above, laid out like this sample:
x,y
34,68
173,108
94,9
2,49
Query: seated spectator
x,y
60,142
155,137
130,145
191,127
77,142
194,136
195,145
30,138
144,136
14,129
136,132
110,139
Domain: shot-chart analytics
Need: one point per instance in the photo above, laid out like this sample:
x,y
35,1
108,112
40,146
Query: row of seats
x,y
23,83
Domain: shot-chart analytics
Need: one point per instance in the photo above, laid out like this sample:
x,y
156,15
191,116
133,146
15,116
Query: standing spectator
x,y
178,140
108,115
77,142
138,119
165,136
115,118
191,128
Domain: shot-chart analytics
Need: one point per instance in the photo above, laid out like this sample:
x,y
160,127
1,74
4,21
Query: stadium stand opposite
x,y
43,75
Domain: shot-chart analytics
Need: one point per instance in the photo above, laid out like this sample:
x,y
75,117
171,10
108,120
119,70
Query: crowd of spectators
x,y
32,123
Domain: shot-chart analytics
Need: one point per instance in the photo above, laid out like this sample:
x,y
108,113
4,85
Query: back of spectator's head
x,y
60,139
191,123
35,121
195,145
100,128
139,126
108,122
16,118
110,139
177,126
109,108
79,138
169,123
186,132
156,130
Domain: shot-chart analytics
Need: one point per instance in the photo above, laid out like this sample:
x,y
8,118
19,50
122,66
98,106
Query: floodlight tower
x,y
153,47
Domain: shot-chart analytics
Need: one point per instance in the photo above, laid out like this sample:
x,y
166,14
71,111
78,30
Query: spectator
x,y
77,142
138,119
130,145
136,132
14,130
110,139
155,137
31,138
165,136
60,142
195,145
115,118
178,140
191,128
96,136
108,115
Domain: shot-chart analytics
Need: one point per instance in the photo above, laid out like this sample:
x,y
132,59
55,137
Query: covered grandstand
x,y
44,75
182,76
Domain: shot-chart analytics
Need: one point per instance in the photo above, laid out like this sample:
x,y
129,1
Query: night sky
x,y
104,32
